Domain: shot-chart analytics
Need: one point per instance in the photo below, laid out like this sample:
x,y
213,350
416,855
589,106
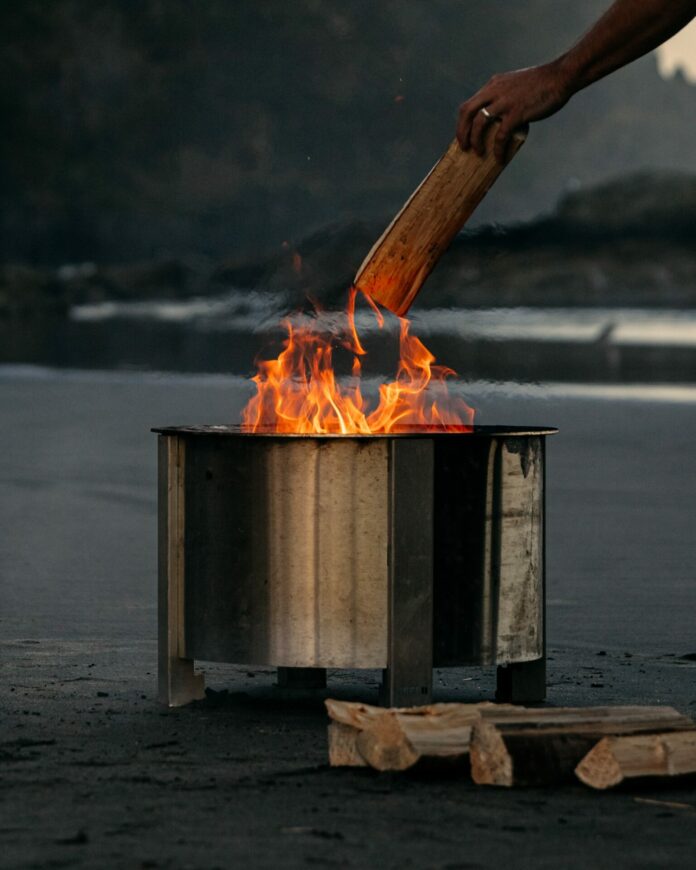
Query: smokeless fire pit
x,y
402,551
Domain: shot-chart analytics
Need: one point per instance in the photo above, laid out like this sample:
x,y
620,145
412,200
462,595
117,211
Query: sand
x,y
95,774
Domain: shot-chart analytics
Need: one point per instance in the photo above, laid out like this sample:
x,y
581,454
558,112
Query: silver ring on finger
x,y
486,114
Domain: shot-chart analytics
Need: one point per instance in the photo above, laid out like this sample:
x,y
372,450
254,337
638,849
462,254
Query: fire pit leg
x,y
525,682
522,682
293,681
177,682
408,677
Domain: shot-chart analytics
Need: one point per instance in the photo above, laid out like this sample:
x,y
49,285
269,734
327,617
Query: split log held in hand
x,y
407,251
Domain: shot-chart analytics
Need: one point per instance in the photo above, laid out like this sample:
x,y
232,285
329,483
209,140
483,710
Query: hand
x,y
514,98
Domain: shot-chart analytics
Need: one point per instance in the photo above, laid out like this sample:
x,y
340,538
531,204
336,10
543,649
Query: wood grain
x,y
505,744
405,254
399,738
546,748
615,759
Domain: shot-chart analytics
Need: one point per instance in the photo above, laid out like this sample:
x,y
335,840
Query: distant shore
x,y
631,242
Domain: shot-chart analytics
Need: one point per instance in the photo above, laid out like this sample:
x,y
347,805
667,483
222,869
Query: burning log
x,y
616,759
543,747
299,392
406,253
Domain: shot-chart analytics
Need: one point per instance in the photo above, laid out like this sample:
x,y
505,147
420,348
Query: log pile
x,y
397,739
507,745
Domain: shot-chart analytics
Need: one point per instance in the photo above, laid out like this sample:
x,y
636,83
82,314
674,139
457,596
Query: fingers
x,y
473,125
478,131
473,121
467,113
512,99
501,143
509,125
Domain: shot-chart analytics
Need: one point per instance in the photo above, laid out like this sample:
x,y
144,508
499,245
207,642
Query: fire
x,y
298,392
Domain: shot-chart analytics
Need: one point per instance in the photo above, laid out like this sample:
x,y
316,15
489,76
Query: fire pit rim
x,y
235,430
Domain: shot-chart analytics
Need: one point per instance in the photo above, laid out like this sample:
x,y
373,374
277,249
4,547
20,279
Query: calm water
x,y
226,334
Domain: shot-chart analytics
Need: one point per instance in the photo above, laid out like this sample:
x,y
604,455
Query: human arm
x,y
626,31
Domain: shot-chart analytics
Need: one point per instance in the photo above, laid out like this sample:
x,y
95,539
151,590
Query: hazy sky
x,y
679,53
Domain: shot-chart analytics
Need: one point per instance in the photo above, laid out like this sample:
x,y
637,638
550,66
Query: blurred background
x,y
174,176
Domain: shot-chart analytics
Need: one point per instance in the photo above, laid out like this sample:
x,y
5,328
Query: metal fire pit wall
x,y
402,552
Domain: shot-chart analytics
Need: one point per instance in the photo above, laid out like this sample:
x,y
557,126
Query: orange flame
x,y
298,392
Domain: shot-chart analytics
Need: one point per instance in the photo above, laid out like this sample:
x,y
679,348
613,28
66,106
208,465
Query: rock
x,y
656,204
628,242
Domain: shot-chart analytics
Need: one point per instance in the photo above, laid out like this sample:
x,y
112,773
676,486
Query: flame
x,y
298,392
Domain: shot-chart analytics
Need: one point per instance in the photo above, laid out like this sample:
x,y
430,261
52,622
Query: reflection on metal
x,y
408,675
177,683
286,552
399,552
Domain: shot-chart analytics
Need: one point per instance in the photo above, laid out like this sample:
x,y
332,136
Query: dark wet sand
x,y
95,774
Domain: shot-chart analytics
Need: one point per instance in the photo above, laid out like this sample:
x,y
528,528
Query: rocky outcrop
x,y
629,242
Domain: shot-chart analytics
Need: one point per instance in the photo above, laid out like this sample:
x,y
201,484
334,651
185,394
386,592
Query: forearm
x,y
626,31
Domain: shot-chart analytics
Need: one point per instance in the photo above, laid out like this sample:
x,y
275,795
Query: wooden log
x,y
541,747
405,254
585,719
343,748
616,759
491,763
386,746
398,739
506,744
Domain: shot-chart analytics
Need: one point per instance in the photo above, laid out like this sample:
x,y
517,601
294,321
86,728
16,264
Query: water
x,y
225,334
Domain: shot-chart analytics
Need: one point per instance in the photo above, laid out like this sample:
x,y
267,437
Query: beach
x,y
96,773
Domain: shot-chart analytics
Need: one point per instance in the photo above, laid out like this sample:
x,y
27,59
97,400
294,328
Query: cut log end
x,y
637,756
599,768
507,746
491,763
385,746
343,751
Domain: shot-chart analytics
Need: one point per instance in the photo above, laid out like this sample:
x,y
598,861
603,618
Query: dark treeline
x,y
152,129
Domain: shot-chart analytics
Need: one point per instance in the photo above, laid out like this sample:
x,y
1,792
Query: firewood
x,y
397,739
407,251
541,747
506,744
385,745
615,759
343,749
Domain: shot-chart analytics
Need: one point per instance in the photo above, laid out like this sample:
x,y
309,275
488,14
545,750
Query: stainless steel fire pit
x,y
403,552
